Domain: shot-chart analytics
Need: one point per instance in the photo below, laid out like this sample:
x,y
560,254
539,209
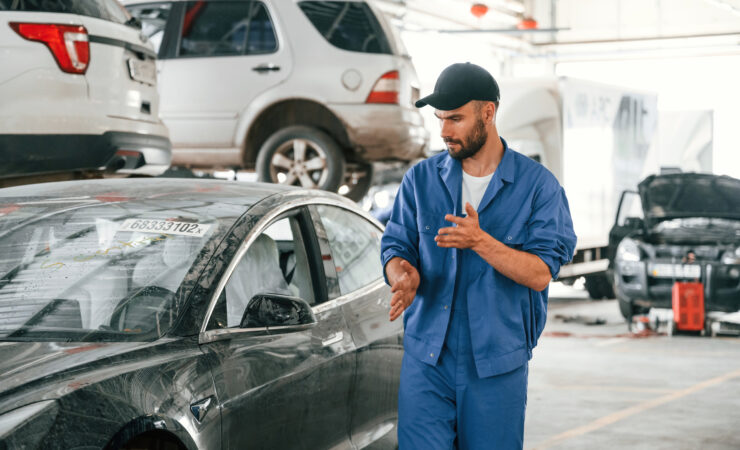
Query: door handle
x,y
333,338
262,68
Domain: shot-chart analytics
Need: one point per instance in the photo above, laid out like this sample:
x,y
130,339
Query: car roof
x,y
141,189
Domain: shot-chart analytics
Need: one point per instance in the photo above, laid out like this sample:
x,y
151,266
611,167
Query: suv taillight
x,y
385,89
68,43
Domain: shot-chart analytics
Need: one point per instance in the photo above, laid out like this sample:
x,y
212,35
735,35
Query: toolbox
x,y
688,306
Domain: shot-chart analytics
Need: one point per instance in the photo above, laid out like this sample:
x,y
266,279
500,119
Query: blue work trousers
x,y
448,407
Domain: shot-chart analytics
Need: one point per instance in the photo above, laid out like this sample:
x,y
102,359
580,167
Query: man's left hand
x,y
467,233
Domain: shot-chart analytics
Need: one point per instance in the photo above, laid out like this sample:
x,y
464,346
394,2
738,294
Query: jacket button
x,y
427,227
431,355
445,306
508,238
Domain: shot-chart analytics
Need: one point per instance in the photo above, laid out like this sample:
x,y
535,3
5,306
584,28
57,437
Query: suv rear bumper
x,y
28,154
384,132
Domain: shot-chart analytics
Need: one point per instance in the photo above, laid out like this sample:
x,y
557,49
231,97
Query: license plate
x,y
165,227
142,71
675,271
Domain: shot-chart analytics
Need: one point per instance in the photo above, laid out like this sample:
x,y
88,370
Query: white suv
x,y
77,90
306,92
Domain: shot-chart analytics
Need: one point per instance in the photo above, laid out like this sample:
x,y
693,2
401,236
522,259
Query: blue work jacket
x,y
524,207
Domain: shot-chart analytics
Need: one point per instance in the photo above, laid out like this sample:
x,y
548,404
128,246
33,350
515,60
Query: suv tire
x,y
359,181
304,156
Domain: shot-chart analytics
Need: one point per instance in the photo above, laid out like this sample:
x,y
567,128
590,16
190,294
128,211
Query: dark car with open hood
x,y
173,314
678,227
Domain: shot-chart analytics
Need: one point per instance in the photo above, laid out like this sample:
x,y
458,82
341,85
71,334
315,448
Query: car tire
x,y
626,308
359,181
301,156
599,286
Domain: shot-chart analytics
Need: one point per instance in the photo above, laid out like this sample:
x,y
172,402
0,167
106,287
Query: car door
x,y
219,57
281,389
354,246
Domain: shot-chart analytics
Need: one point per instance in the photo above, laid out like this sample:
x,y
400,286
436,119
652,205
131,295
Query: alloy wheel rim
x,y
299,162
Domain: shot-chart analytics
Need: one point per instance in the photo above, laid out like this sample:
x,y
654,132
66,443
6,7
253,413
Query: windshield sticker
x,y
110,251
165,226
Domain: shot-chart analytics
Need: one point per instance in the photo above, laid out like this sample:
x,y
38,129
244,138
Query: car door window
x,y
355,247
275,263
228,28
153,18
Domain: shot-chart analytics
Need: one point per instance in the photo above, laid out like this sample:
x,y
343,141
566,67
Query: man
x,y
475,236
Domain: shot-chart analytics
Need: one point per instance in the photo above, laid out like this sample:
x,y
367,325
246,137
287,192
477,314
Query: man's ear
x,y
490,112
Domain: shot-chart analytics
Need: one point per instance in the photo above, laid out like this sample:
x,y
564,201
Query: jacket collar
x,y
450,170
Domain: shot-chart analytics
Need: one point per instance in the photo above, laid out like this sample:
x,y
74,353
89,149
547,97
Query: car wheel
x,y
301,156
626,308
598,287
358,180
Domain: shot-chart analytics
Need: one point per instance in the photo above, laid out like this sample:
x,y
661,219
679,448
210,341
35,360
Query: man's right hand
x,y
404,280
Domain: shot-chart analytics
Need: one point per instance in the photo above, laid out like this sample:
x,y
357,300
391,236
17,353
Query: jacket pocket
x,y
513,236
433,259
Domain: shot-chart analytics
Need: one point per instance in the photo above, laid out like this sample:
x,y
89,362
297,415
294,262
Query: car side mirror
x,y
634,223
275,310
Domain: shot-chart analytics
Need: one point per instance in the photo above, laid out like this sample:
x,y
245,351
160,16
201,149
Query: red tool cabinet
x,y
688,306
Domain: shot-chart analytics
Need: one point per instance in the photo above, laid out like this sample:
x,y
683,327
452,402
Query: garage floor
x,y
595,387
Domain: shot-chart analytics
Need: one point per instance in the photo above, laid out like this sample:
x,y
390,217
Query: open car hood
x,y
679,195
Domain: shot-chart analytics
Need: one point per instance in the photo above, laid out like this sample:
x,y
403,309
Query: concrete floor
x,y
598,387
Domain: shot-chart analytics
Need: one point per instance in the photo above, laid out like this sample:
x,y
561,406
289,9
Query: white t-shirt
x,y
473,189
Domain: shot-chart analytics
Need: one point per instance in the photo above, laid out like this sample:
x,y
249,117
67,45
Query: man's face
x,y
463,130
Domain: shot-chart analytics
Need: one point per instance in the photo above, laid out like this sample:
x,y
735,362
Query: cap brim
x,y
443,102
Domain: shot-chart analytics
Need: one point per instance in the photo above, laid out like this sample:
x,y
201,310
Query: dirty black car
x,y
678,227
178,314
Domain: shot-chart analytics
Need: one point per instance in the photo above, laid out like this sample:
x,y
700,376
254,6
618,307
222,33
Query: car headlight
x,y
27,425
731,257
628,250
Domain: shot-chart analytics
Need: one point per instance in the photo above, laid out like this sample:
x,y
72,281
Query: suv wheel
x,y
301,156
358,179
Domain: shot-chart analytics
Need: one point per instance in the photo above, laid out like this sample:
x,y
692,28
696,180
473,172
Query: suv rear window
x,y
348,25
109,10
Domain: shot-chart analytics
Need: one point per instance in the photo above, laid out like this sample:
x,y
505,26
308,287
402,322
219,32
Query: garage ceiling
x,y
589,29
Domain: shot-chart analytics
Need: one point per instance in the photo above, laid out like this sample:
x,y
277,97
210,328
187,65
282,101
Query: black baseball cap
x,y
460,83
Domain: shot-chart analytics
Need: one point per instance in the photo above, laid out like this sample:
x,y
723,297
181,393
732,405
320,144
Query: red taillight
x,y
385,89
68,43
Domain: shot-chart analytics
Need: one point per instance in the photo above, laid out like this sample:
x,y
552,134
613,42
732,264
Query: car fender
x,y
260,104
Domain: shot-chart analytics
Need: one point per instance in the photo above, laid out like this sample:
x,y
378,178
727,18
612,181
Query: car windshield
x,y
691,195
101,271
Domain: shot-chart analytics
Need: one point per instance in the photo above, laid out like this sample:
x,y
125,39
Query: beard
x,y
471,144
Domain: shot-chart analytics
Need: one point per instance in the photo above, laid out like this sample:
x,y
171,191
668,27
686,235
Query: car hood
x,y
680,195
63,367
696,230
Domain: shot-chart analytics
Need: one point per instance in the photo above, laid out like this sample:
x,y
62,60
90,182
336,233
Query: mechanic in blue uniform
x,y
475,236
